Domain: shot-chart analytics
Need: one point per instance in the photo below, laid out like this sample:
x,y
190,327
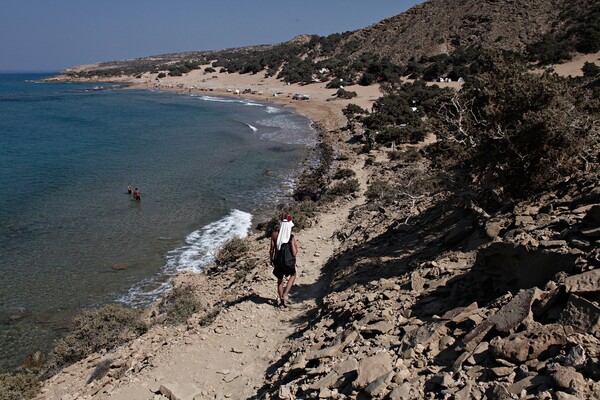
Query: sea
x,y
71,237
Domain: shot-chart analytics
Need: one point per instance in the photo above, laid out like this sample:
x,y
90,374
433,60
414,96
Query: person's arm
x,y
294,246
273,246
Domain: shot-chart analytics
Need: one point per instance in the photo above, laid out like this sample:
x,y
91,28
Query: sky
x,y
50,35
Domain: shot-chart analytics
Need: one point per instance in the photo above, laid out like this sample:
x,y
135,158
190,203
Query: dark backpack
x,y
285,259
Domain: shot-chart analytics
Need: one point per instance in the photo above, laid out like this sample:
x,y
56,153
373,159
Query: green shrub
x,y
344,188
381,191
161,75
344,173
179,305
19,386
95,330
352,109
521,133
590,70
345,94
302,213
410,155
366,79
231,251
209,70
400,134
335,84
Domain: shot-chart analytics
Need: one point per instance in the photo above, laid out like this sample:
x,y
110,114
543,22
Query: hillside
x,y
441,26
436,38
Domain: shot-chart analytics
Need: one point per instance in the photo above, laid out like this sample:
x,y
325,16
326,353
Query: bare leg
x,y
289,286
280,290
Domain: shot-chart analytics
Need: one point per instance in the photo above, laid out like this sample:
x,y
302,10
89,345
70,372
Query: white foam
x,y
199,251
288,130
254,129
224,100
272,110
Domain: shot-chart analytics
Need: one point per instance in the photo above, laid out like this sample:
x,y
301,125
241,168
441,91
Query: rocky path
x,y
231,357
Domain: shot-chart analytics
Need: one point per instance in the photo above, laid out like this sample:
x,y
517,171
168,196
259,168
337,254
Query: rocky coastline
x,y
428,296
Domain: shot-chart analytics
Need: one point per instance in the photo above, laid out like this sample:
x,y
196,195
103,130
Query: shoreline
x,y
222,287
257,213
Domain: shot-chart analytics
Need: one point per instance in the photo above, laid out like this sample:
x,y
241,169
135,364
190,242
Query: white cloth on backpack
x,y
285,232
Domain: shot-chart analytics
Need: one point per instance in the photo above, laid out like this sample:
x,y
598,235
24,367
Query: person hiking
x,y
282,255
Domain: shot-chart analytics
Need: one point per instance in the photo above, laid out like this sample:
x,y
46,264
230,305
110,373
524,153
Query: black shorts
x,y
281,272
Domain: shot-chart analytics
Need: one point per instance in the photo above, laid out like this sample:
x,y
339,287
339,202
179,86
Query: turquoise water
x,y
203,165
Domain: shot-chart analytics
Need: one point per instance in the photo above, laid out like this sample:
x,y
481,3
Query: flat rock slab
x,y
582,315
179,391
506,319
584,283
371,368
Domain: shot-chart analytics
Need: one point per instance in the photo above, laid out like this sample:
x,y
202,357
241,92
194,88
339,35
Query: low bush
x,y
231,251
381,191
95,330
410,155
209,70
590,70
345,94
344,188
344,173
302,212
19,386
352,109
179,305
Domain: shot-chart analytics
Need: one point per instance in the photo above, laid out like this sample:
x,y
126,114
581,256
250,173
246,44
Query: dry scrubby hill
x,y
547,31
441,26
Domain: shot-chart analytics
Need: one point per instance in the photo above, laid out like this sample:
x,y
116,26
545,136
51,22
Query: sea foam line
x,y
198,253
254,129
223,100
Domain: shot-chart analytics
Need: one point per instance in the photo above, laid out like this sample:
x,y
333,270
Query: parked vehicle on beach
x,y
299,96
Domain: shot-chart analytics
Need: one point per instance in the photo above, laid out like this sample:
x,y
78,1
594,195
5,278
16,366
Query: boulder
x,y
567,378
401,392
516,311
460,314
506,319
582,315
529,383
417,282
120,266
493,229
285,393
371,368
337,375
378,388
179,391
566,396
523,346
499,392
584,283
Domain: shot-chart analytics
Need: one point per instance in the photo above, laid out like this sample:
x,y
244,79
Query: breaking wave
x,y
198,252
